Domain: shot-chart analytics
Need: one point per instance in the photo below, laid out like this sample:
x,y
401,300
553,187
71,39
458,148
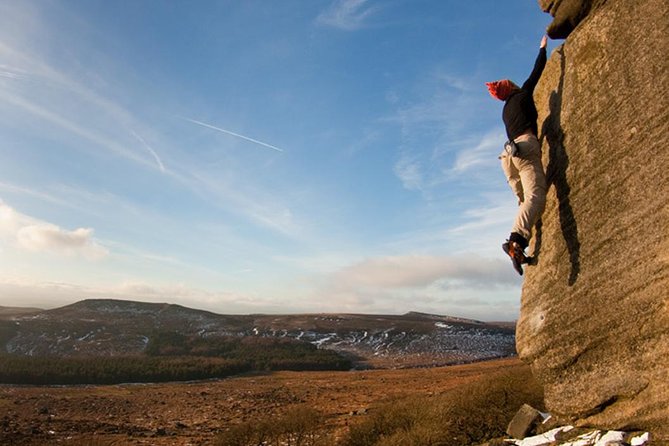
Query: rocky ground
x,y
193,413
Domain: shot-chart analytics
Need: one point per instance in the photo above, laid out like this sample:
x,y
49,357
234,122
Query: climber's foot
x,y
518,257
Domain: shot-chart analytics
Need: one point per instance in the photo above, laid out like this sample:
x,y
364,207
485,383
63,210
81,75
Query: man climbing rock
x,y
521,158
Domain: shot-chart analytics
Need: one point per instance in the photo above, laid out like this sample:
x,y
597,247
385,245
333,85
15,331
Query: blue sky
x,y
259,156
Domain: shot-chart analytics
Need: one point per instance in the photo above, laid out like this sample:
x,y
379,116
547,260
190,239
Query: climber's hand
x,y
544,40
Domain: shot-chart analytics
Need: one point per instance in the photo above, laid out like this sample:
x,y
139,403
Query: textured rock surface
x,y
526,419
594,321
568,14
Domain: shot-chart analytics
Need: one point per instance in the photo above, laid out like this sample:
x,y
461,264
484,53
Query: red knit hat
x,y
501,89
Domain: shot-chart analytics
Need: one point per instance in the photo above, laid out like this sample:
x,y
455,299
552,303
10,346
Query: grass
x,y
299,426
469,415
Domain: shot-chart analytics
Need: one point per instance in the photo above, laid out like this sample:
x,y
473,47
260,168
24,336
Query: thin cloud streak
x,y
75,128
13,188
264,144
151,151
490,217
480,155
409,172
349,15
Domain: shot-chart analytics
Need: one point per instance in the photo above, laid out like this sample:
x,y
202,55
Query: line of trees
x,y
263,353
172,356
18,369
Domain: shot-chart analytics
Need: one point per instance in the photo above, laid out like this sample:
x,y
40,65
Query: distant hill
x,y
106,327
17,311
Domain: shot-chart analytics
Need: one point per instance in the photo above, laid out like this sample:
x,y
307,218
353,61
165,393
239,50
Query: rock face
x,y
568,14
594,321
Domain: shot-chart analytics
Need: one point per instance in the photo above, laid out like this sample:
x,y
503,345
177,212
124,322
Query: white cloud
x,y
46,237
462,85
482,220
483,154
420,271
38,236
408,170
439,133
465,286
347,15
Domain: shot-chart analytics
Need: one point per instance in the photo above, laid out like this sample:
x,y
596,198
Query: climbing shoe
x,y
518,257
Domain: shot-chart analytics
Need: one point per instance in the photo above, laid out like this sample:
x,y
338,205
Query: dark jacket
x,y
519,112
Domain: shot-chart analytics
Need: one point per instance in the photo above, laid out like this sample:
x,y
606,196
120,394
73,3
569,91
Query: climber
x,y
521,157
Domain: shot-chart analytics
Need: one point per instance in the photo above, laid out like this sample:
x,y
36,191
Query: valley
x,y
194,413
106,327
357,361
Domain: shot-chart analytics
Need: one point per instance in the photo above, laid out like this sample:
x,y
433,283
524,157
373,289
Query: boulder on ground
x,y
524,422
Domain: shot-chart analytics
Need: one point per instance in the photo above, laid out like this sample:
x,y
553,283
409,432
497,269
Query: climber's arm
x,y
539,65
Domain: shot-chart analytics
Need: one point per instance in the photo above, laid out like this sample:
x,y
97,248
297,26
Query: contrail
x,y
148,147
234,134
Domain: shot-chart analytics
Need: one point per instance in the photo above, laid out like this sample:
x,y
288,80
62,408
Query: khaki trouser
x,y
525,174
